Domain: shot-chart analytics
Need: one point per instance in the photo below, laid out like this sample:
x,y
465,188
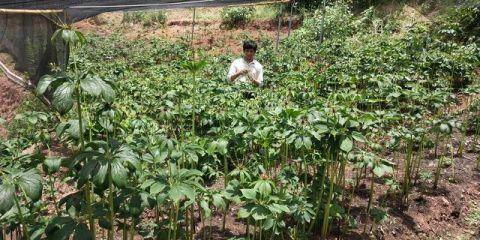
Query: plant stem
x,y
192,220
175,219
419,159
326,216
407,174
319,198
125,233
26,234
110,203
437,173
372,183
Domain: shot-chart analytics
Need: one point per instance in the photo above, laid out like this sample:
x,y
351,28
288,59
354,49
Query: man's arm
x,y
233,73
259,81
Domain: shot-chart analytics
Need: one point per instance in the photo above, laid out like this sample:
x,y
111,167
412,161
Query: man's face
x,y
249,54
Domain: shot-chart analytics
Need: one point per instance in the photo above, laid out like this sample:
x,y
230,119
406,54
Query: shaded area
x,y
27,39
81,9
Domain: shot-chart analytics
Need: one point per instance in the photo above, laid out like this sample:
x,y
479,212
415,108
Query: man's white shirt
x,y
255,71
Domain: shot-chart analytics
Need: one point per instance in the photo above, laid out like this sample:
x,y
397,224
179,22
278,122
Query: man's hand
x,y
243,72
238,74
257,83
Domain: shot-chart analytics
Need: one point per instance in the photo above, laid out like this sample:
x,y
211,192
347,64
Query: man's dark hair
x,y
249,44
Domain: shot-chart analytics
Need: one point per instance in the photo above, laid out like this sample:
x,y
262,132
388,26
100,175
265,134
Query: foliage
x,y
461,23
147,18
236,16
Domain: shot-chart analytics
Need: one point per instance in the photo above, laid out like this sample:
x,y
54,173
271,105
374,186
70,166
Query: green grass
x,y
473,217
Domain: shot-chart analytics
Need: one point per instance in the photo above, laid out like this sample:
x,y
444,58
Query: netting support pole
x,y
290,18
322,28
279,27
192,37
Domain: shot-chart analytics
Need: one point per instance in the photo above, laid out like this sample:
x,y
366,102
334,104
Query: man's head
x,y
249,49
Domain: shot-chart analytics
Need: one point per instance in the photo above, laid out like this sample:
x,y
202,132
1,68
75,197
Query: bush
x,y
461,23
146,18
236,16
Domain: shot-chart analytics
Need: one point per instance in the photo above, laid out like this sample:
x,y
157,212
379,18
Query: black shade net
x,y
80,9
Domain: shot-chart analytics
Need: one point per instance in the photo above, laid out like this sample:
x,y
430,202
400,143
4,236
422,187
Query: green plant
x,y
19,188
179,145
236,16
146,18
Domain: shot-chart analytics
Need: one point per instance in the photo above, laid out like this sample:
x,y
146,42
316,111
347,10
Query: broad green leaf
x,y
125,154
218,201
91,85
175,193
10,214
321,129
307,142
52,164
278,208
156,188
108,94
31,183
378,215
188,191
347,144
243,213
239,130
222,146
250,194
44,83
378,171
105,123
100,175
6,197
61,228
358,137
82,232
206,209
87,171
73,128
63,97
445,128
381,170
147,183
119,174
260,213
135,205
263,187
298,143
104,223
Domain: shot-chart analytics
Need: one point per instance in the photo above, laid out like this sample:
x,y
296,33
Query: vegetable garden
x,y
156,144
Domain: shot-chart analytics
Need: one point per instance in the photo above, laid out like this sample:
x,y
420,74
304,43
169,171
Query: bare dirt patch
x,y
209,33
11,96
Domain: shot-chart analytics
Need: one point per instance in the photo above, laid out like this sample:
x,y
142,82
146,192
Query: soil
x,y
431,213
11,96
210,35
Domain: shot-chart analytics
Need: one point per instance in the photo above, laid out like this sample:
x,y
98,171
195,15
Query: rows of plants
x,y
157,143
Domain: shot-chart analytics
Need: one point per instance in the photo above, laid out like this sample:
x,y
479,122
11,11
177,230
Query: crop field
x,y
367,127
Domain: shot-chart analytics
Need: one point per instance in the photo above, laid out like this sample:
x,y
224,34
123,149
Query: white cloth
x,y
255,71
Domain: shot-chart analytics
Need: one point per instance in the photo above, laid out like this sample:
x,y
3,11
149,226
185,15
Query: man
x,y
247,69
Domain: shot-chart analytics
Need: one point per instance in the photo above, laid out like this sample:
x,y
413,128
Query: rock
x,y
445,202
